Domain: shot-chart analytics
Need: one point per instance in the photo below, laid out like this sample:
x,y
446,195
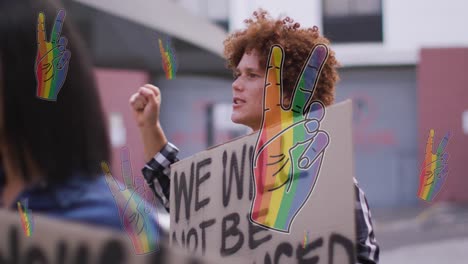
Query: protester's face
x,y
247,90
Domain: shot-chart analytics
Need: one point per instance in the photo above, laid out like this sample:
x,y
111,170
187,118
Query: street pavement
x,y
435,234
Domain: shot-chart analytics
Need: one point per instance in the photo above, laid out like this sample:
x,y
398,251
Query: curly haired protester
x,y
246,52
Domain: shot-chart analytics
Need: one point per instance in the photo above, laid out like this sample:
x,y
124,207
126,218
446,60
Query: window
x,y
347,21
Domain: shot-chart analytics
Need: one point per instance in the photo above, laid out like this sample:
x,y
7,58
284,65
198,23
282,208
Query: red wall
x,y
442,98
115,88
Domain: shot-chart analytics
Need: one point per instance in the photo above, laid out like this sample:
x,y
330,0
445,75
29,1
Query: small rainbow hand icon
x,y
52,59
27,220
169,60
434,169
136,214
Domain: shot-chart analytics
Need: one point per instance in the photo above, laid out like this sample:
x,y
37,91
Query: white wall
x,y
306,12
212,9
419,23
408,26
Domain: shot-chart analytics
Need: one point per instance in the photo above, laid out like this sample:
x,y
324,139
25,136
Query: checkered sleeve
x,y
157,172
367,247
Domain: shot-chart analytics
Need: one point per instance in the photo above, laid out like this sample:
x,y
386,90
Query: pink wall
x,y
443,96
115,88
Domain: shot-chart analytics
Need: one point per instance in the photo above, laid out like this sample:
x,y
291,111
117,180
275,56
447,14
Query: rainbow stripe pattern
x,y
434,169
27,221
138,217
290,146
306,237
139,224
52,59
168,55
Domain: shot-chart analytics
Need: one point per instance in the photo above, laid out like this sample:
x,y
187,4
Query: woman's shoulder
x,y
86,200
95,204
81,199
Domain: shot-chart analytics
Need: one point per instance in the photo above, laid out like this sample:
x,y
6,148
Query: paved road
x,y
452,251
438,234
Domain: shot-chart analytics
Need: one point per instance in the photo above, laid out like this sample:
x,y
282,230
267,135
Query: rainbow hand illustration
x,y
434,169
168,58
306,237
52,59
290,147
27,220
138,217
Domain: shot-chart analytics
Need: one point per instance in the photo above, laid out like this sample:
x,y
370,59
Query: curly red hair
x,y
262,32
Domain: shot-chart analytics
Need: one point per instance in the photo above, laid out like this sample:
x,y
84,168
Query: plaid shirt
x,y
157,174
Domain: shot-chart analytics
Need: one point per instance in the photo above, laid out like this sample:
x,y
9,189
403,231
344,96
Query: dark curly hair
x,y
262,32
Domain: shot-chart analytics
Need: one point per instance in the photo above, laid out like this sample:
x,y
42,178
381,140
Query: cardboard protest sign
x,y
58,242
212,192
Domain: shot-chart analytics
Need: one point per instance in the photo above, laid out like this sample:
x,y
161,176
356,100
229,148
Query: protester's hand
x,y
290,146
145,105
138,216
434,169
52,59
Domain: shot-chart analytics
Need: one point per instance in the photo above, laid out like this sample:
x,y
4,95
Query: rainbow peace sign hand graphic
x,y
169,60
26,216
434,169
290,145
52,59
137,216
